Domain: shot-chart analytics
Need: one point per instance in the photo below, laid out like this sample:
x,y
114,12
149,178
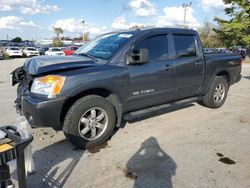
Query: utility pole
x,y
83,31
185,7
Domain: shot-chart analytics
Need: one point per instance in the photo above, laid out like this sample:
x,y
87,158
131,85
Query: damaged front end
x,y
24,80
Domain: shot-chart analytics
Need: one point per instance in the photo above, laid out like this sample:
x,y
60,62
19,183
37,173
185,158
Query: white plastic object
x,y
25,130
2,135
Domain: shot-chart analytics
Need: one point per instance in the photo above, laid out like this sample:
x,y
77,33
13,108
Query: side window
x,y
157,47
185,46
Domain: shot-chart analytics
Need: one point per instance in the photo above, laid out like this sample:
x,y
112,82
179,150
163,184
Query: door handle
x,y
168,67
197,63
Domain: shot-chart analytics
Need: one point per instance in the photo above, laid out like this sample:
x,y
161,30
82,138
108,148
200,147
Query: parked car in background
x,y
14,52
223,50
70,50
42,50
1,55
241,51
216,50
54,51
62,48
207,50
30,51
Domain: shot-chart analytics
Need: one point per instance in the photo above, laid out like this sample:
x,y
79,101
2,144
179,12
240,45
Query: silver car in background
x,y
30,51
55,52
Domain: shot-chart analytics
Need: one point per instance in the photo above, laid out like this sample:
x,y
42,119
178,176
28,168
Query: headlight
x,y
50,85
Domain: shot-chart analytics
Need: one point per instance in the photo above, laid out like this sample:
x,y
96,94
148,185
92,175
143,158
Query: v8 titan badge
x,y
11,79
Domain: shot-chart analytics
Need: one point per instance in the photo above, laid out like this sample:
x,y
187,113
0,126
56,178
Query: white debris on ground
x,y
25,130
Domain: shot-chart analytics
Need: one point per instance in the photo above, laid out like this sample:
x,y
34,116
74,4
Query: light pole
x,y
83,31
185,8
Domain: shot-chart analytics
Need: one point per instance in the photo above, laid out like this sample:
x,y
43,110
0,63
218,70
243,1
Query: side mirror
x,y
139,56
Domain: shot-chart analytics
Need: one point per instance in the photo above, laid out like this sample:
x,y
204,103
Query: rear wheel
x,y
89,122
217,94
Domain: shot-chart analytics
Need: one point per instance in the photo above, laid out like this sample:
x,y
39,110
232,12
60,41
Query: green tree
x,y
236,30
58,31
57,42
17,39
209,38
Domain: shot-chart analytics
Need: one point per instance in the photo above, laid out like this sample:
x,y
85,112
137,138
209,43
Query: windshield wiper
x,y
87,55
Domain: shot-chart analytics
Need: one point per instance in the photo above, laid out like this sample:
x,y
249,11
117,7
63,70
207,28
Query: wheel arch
x,y
108,94
209,79
225,74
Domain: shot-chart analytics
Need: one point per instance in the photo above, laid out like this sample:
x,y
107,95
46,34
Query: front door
x,y
151,83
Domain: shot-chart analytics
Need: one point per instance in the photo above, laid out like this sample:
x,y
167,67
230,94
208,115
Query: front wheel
x,y
89,122
217,94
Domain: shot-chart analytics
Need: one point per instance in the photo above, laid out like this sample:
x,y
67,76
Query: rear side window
x,y
157,47
185,46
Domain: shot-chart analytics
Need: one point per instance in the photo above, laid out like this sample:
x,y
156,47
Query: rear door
x,y
189,65
151,83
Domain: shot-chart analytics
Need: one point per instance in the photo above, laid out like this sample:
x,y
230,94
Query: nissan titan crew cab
x,y
120,77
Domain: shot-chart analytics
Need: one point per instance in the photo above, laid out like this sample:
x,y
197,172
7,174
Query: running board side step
x,y
149,111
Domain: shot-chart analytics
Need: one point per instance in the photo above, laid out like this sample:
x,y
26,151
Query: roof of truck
x,y
168,30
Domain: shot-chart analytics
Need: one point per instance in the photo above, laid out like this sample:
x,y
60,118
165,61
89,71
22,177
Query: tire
x,y
80,122
217,93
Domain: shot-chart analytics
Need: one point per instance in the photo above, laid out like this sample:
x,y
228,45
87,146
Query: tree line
x,y
232,32
57,40
227,33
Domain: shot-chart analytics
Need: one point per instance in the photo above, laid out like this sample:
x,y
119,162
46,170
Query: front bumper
x,y
32,54
43,112
15,54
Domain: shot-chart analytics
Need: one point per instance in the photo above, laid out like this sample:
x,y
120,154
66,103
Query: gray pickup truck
x,y
119,77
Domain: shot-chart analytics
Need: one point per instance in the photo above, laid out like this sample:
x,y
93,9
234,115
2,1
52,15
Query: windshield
x,y
104,46
14,48
31,49
55,50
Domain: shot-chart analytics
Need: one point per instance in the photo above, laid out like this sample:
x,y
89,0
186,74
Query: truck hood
x,y
43,64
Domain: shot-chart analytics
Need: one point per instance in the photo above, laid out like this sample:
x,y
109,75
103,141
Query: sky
x,y
35,19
